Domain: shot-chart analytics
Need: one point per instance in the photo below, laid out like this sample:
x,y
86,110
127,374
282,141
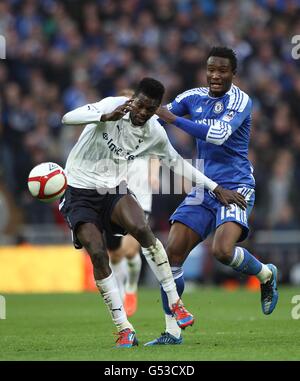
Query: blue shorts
x,y
203,213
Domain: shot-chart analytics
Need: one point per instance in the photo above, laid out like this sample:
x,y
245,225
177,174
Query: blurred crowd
x,y
63,54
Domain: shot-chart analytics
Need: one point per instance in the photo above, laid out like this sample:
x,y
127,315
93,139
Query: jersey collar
x,y
229,92
126,117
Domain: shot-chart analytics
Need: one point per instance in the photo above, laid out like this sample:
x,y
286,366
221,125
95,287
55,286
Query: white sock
x,y
109,290
265,274
120,271
158,261
172,326
134,266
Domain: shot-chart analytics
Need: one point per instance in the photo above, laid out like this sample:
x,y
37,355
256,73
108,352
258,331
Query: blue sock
x,y
179,280
245,262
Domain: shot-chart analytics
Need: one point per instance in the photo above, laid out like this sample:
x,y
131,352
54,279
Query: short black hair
x,y
224,52
151,88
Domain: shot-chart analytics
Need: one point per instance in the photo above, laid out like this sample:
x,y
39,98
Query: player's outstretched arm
x,y
183,168
225,196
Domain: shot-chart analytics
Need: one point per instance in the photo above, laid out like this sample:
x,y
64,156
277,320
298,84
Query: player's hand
x,y
165,115
118,113
226,197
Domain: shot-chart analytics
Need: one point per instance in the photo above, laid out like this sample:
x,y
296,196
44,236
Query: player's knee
x,y
97,253
91,241
141,232
86,235
174,254
222,252
99,259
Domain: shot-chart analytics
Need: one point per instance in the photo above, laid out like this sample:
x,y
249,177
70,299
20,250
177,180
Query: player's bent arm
x,y
83,115
217,133
181,167
95,112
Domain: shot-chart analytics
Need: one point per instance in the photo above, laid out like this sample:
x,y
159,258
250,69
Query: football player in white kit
x,y
124,252
97,203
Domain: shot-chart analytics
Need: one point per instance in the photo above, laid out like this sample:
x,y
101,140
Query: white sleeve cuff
x,y
218,133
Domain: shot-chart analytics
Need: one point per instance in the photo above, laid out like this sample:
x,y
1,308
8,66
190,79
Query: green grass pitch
x,y
229,326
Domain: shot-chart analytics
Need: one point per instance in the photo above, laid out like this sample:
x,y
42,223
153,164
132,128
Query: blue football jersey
x,y
225,162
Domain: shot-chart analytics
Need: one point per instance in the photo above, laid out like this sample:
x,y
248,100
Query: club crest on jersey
x,y
218,107
229,116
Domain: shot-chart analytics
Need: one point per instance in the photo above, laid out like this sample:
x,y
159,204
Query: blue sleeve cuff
x,y
162,122
195,129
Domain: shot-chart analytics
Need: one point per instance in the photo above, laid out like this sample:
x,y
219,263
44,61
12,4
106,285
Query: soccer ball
x,y
47,182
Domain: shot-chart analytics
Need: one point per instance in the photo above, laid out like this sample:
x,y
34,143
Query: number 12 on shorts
x,y
234,212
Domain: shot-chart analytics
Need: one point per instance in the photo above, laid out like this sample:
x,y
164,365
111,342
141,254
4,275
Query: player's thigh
x,y
232,226
128,214
181,240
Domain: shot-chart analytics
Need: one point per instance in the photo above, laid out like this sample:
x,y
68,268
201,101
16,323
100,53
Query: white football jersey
x,y
105,150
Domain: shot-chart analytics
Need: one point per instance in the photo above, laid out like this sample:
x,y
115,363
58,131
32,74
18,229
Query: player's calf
x,y
243,261
109,290
91,238
142,233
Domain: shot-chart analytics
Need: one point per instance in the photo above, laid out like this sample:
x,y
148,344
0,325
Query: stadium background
x,y
63,54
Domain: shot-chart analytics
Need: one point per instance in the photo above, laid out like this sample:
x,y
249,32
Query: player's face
x,y
219,75
144,108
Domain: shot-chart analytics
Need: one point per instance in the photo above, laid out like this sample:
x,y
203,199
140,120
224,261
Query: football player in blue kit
x,y
220,120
